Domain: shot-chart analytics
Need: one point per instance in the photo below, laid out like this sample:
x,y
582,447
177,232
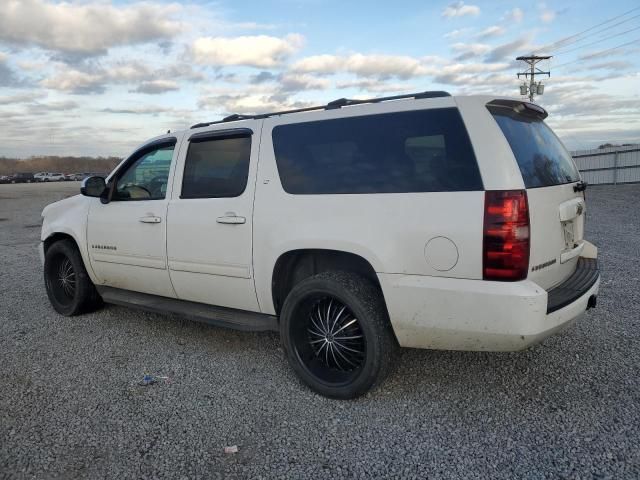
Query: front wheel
x,y
69,288
336,334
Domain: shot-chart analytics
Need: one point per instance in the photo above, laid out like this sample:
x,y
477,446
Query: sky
x,y
91,77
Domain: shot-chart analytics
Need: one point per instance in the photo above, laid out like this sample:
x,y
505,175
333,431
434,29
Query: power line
x,y
597,41
597,54
602,30
565,41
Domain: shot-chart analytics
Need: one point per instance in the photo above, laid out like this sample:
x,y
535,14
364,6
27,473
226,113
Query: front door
x,y
209,219
127,235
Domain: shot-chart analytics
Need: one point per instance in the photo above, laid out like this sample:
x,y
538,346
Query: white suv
x,y
353,228
49,177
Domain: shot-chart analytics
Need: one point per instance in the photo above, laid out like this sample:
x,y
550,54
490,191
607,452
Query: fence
x,y
609,165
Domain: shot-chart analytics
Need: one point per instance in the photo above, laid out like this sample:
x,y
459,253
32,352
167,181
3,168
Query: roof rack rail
x,y
339,103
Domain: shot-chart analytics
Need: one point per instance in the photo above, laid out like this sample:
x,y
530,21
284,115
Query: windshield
x,y
542,158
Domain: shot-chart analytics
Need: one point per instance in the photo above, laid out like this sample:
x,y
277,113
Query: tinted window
x,y
146,178
418,151
542,158
216,167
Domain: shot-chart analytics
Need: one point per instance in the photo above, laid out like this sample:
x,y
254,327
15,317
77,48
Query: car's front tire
x,y
336,333
69,288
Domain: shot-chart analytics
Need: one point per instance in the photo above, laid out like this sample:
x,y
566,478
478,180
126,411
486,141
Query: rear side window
x,y
416,151
216,167
542,158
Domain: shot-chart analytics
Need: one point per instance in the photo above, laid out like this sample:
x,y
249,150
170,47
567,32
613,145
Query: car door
x,y
209,219
127,235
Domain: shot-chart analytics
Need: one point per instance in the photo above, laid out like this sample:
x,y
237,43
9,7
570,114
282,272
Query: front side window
x,y
414,151
147,177
216,167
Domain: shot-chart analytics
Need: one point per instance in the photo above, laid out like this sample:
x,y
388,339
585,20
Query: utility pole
x,y
533,88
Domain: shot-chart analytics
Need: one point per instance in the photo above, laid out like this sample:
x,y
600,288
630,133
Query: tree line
x,y
57,164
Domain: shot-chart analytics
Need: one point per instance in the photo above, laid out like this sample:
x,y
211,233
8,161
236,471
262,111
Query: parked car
x,y
22,178
73,177
355,228
5,178
49,177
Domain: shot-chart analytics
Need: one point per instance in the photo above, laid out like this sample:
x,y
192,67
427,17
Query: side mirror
x,y
93,187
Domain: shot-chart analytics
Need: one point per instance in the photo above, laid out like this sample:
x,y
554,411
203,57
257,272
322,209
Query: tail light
x,y
506,235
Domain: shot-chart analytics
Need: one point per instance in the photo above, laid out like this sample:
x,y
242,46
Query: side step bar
x,y
200,312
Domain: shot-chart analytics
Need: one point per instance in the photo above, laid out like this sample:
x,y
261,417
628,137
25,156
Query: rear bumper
x,y
460,314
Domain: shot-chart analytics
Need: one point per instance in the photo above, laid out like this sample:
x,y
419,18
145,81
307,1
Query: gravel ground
x,y
71,406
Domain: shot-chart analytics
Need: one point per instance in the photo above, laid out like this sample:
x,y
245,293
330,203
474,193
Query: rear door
x,y
209,224
556,202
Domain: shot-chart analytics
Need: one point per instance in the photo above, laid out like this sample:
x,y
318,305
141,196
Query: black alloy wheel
x,y
68,285
336,333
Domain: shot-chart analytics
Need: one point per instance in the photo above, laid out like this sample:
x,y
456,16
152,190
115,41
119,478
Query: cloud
x,y
22,98
31,66
323,64
8,77
84,29
155,87
148,110
148,80
249,104
492,31
548,16
263,77
453,34
614,65
296,83
259,51
502,51
469,50
45,108
459,9
75,81
514,16
376,86
374,66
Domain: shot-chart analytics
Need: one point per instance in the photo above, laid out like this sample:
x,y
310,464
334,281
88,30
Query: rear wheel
x,y
336,334
68,285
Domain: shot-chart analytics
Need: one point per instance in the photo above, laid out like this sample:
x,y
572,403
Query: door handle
x,y
231,218
150,219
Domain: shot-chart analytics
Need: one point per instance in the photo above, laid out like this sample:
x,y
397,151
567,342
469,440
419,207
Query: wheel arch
x,y
63,234
56,237
293,266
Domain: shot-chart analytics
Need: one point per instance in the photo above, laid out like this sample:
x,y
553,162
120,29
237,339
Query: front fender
x,y
69,217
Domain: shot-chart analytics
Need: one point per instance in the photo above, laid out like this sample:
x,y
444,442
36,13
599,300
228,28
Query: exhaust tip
x,y
592,302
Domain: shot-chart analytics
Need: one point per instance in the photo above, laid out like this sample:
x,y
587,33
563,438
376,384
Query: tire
x,y
77,294
315,312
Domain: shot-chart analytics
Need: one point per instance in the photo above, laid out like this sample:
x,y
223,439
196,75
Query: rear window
x,y
416,151
542,158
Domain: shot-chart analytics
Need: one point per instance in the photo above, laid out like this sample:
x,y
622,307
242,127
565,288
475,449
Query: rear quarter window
x,y
541,156
415,151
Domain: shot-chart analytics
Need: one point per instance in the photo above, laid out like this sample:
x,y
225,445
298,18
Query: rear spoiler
x,y
516,107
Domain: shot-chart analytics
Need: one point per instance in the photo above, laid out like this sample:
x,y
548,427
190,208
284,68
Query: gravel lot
x,y
71,406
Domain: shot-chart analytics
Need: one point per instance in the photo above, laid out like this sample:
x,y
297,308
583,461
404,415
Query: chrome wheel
x,y
335,335
61,279
67,278
329,340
